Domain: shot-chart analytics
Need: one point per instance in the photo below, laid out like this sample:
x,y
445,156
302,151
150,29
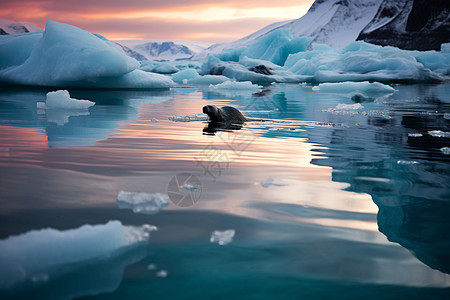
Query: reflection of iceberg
x,y
413,197
40,258
19,108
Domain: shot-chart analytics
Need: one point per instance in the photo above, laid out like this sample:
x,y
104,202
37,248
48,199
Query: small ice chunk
x,y
268,182
151,267
235,85
355,106
154,120
61,100
407,162
197,117
222,237
190,186
350,87
162,273
143,203
41,255
415,134
447,116
445,150
439,133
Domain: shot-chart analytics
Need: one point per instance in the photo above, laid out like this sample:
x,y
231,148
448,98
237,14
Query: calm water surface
x,y
326,203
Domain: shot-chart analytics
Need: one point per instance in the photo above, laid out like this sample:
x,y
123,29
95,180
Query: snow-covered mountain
x,y
410,24
10,27
407,24
157,49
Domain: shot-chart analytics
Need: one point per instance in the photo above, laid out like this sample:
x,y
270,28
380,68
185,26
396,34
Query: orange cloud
x,y
177,19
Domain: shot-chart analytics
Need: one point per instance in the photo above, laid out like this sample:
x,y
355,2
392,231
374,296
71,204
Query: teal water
x,y
359,205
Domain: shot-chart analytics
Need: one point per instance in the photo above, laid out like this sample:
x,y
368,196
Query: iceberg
x,y
222,237
286,59
143,203
66,56
39,256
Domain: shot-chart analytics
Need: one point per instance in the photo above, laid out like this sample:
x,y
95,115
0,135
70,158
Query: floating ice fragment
x,y
235,85
415,134
190,186
373,88
439,133
143,203
162,273
41,255
270,181
197,117
151,267
445,150
316,88
222,237
154,120
61,100
355,106
407,162
447,116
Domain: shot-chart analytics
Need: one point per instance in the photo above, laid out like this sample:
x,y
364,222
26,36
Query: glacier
x,y
39,256
66,56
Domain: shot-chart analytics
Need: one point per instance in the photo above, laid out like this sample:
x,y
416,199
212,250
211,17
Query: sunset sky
x,y
196,20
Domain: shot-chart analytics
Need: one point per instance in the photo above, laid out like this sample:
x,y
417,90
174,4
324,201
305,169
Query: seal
x,y
224,115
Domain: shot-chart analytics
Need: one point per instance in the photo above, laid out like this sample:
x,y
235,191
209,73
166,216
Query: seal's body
x,y
225,114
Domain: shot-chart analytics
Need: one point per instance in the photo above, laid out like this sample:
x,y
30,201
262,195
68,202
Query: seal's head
x,y
213,113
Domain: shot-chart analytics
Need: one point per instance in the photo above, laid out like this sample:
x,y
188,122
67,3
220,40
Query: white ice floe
x,y
144,203
235,85
445,150
222,237
368,88
415,134
66,56
354,106
189,118
39,255
407,162
61,100
439,133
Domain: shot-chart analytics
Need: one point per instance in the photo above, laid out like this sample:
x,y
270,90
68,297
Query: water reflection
x,y
343,177
74,128
407,176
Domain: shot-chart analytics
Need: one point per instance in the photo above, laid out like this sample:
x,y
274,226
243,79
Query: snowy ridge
x,y
10,27
159,49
